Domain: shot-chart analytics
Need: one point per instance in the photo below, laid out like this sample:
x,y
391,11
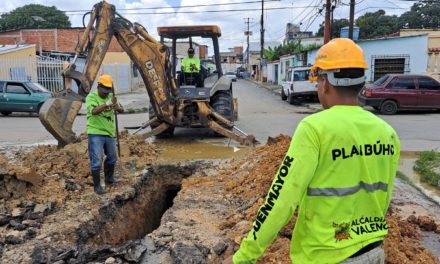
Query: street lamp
x,y
39,19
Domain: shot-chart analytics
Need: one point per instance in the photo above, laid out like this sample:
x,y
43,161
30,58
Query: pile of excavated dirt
x,y
46,193
249,185
49,212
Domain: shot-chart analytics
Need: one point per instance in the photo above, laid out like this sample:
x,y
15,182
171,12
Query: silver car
x,y
231,75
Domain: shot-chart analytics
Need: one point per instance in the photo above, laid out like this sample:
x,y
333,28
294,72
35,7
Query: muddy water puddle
x,y
182,149
406,164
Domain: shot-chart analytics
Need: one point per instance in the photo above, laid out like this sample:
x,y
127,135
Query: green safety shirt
x,y
339,171
186,64
102,123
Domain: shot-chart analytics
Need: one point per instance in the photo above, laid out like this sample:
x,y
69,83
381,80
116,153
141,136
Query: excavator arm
x,y
148,55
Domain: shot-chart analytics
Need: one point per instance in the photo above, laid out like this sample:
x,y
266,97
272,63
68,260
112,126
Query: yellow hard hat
x,y
339,53
106,80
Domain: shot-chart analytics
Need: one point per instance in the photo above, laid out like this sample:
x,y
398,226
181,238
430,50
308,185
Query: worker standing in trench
x,y
101,107
339,171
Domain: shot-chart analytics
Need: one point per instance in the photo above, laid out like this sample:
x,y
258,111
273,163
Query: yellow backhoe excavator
x,y
172,103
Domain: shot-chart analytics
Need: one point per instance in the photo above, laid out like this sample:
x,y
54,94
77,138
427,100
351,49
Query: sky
x,y
231,19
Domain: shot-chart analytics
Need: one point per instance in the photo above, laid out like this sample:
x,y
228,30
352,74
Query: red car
x,y
393,92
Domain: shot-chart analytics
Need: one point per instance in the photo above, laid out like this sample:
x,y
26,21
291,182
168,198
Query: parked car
x,y
21,96
297,86
393,92
231,75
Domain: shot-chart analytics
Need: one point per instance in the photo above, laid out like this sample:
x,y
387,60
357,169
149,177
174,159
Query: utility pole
x,y
247,33
327,28
331,20
262,41
350,28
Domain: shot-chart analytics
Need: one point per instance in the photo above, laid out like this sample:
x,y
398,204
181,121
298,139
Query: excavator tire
x,y
223,103
165,134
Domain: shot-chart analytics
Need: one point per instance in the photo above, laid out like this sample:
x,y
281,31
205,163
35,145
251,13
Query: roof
x,y
204,31
384,38
393,37
11,48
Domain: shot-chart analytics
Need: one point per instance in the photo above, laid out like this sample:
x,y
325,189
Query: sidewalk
x,y
276,89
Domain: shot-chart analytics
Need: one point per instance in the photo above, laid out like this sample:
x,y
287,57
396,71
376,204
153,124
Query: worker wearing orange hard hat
x,y
338,173
101,106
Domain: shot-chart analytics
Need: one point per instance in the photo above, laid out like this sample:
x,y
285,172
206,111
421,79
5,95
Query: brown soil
x,y
60,178
213,206
251,180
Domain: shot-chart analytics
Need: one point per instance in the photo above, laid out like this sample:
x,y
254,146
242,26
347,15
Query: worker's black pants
x,y
191,78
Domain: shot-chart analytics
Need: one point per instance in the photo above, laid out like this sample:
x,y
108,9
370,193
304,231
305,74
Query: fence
x,y
47,71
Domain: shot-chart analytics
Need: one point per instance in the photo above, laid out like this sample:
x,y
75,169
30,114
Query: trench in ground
x,y
123,219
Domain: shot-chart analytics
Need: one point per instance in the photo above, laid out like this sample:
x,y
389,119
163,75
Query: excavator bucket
x,y
57,116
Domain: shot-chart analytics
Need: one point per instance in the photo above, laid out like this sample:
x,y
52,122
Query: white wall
x,y
270,68
414,46
230,67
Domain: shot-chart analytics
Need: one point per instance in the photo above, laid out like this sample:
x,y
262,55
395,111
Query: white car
x,y
297,87
231,75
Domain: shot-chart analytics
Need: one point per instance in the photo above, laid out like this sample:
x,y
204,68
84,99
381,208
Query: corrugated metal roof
x,y
11,48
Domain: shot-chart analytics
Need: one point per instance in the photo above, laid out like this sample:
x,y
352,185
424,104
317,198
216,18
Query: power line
x,y
206,11
380,7
167,7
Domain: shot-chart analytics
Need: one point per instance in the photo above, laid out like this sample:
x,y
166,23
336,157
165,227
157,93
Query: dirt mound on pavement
x,y
47,193
45,190
54,172
250,183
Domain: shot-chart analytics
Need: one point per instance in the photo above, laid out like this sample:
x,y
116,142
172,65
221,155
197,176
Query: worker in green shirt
x,y
338,172
101,106
191,69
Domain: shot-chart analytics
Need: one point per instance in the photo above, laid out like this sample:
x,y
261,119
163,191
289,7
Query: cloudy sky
x,y
230,15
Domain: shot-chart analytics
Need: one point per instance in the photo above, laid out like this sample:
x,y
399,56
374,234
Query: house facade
x,y
402,54
18,62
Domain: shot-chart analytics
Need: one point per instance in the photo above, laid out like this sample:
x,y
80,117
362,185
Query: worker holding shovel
x,y
102,107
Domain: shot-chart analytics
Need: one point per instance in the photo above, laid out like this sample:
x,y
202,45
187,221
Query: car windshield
x,y
37,88
302,75
381,80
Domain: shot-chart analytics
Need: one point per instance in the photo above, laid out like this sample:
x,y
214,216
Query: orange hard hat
x,y
106,80
339,53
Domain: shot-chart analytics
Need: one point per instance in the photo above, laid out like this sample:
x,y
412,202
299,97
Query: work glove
x,y
109,103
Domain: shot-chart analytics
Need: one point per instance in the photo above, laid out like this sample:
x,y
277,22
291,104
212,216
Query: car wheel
x,y
5,113
388,107
293,100
283,95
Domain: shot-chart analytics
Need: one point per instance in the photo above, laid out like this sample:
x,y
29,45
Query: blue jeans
x,y
98,146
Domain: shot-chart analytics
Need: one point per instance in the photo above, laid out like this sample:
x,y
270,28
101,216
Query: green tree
x,y
336,27
291,48
25,17
376,24
421,15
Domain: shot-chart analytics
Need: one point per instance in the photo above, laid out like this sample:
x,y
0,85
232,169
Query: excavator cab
x,y
171,105
216,90
186,33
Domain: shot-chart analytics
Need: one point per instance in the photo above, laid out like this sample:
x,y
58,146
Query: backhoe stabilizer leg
x,y
157,130
57,116
248,140
145,125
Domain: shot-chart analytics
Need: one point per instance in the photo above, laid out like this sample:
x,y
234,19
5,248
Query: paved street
x,y
261,113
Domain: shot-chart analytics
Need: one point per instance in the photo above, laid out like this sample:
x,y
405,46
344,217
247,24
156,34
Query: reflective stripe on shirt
x,y
348,190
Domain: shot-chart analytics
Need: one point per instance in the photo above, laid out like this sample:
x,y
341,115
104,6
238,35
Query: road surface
x,y
261,113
